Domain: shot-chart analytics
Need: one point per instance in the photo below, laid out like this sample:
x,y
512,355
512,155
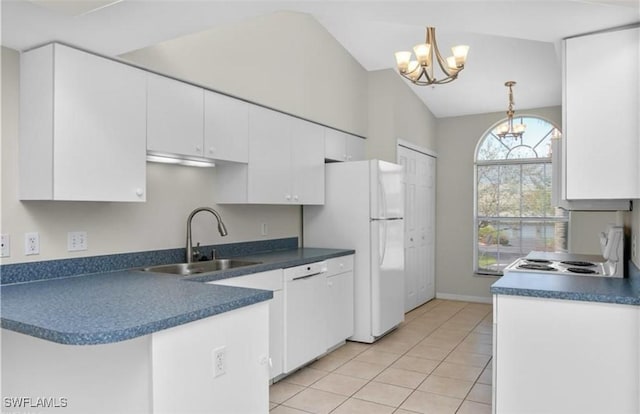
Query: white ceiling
x,y
510,40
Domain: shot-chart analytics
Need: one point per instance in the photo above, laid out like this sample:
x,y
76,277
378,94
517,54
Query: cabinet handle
x,y
212,150
349,157
198,148
295,198
287,197
139,192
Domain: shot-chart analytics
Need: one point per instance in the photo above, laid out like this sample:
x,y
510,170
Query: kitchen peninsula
x,y
134,341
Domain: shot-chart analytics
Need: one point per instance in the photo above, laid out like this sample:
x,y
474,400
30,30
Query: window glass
x,y
514,214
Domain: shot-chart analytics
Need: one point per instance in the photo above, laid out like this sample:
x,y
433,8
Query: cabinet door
x,y
175,112
269,174
335,146
355,148
99,151
226,128
339,308
307,162
601,116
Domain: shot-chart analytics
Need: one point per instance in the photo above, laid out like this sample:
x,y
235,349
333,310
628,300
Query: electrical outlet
x,y
31,243
219,356
76,241
5,242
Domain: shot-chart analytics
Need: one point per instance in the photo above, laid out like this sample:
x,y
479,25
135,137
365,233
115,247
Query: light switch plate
x,y
5,245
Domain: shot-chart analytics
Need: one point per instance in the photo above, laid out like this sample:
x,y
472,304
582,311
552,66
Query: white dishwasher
x,y
305,302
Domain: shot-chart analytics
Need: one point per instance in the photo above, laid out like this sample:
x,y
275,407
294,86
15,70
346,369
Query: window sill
x,y
486,274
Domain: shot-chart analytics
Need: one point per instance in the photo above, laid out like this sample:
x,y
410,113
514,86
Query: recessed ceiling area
x,y
509,40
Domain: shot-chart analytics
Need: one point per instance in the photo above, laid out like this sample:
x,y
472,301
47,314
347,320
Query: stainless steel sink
x,y
187,269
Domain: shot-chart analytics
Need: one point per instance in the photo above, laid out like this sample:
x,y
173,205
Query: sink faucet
x,y
221,229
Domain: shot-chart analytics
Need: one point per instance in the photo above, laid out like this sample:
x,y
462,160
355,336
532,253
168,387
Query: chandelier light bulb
x,y
423,53
402,60
460,52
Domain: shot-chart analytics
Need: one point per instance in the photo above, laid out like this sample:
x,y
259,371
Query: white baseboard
x,y
464,298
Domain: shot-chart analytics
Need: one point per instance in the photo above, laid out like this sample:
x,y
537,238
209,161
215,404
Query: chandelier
x,y
421,70
507,129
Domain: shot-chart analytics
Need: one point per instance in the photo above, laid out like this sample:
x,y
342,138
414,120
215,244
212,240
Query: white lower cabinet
x,y
339,308
169,371
563,356
271,280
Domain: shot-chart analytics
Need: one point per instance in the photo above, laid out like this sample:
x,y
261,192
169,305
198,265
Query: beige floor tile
x,y
440,342
424,402
339,384
377,357
350,350
466,358
356,406
386,394
486,376
305,376
457,371
478,338
480,393
272,405
411,363
329,363
281,409
360,369
471,407
446,386
427,351
484,329
401,411
401,377
394,346
477,348
282,391
315,401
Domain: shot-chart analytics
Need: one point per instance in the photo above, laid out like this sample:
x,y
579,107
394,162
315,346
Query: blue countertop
x,y
624,291
114,306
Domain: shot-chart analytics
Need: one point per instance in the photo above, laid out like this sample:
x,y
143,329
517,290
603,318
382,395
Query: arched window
x,y
513,207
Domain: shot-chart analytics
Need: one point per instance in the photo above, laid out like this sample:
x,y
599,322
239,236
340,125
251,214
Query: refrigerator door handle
x,y
383,243
382,198
386,219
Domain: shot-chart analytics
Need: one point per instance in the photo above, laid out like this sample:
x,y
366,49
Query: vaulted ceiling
x,y
510,40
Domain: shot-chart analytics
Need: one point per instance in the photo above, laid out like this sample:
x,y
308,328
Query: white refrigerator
x,y
363,210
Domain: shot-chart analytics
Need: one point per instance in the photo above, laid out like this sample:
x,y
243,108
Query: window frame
x,y
514,161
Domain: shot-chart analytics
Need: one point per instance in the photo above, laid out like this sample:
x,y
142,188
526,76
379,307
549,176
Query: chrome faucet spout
x,y
222,229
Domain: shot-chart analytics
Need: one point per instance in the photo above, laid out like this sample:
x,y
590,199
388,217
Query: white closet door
x,y
419,193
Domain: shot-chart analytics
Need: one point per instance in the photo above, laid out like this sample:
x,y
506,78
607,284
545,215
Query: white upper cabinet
x,y
226,128
175,113
307,162
82,127
286,159
601,132
340,146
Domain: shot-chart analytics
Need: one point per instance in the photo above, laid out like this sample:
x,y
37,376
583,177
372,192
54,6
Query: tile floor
x,y
437,361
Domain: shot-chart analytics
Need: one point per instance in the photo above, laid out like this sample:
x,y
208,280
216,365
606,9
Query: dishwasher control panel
x,y
305,270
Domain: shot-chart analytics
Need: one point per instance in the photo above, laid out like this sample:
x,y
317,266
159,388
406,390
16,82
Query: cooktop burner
x,y
582,270
542,261
578,263
536,266
567,267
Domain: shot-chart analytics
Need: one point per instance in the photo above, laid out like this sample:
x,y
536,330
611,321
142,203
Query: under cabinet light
x,y
175,159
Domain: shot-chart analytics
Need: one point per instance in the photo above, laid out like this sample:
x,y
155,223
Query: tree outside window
x,y
514,214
